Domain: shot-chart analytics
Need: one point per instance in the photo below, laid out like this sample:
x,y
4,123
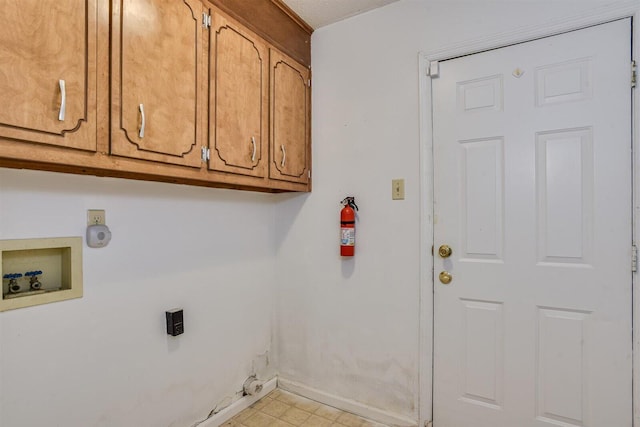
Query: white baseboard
x,y
239,405
346,404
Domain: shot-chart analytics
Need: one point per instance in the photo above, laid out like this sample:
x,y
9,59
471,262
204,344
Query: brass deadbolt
x,y
445,251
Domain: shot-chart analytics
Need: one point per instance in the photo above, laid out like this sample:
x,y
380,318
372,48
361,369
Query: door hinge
x,y
206,20
206,154
633,74
433,69
634,258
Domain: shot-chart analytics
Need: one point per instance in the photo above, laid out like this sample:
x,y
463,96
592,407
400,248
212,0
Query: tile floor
x,y
283,409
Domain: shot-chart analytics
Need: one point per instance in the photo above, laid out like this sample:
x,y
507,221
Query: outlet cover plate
x,y
96,217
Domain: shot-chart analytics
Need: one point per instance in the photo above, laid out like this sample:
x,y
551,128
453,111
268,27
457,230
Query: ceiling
x,y
319,13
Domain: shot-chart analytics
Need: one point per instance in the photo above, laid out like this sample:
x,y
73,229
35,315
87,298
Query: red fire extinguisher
x,y
348,227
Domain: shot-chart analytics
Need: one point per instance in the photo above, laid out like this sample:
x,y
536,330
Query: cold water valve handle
x,y
14,287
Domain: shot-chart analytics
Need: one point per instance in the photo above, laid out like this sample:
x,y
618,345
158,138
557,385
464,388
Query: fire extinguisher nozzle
x,y
349,201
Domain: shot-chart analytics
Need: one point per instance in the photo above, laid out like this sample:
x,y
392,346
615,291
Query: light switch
x,y
397,189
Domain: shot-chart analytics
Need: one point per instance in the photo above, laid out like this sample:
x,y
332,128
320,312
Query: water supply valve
x,y
14,287
33,279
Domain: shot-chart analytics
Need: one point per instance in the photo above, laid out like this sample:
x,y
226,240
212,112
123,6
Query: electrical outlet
x,y
397,189
96,216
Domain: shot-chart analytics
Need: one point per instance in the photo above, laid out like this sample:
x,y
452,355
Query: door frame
x,y
599,15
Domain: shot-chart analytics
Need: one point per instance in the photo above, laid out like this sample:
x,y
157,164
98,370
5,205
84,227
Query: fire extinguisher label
x,y
347,236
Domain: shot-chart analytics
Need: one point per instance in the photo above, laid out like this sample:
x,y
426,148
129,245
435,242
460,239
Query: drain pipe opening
x,y
252,386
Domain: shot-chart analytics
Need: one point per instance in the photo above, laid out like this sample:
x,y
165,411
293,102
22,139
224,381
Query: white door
x,y
532,157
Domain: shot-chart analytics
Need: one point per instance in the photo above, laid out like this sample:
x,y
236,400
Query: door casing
x,y
596,16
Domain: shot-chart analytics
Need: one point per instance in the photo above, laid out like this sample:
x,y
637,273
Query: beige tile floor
x,y
283,409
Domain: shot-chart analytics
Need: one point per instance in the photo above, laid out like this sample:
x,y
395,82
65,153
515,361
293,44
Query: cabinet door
x,y
290,100
157,77
238,124
48,72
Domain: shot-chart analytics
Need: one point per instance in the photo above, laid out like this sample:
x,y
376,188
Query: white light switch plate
x,y
397,189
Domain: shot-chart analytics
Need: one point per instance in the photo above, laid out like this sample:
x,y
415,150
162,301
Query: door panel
x,y
564,172
483,361
532,176
482,203
157,80
290,154
560,371
45,46
239,99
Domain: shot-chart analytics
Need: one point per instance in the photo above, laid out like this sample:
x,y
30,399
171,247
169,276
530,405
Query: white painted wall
x,y
350,327
105,359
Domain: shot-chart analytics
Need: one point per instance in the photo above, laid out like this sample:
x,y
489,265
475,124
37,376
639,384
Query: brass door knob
x,y
445,277
445,251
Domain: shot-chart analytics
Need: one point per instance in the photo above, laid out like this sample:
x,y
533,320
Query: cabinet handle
x,y
63,100
284,155
253,154
142,121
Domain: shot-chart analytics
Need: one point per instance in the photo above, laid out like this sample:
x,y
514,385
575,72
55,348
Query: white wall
x,y
350,327
105,359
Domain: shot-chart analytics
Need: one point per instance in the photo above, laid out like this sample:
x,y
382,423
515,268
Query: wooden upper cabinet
x,y
157,80
238,105
290,117
146,89
48,72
